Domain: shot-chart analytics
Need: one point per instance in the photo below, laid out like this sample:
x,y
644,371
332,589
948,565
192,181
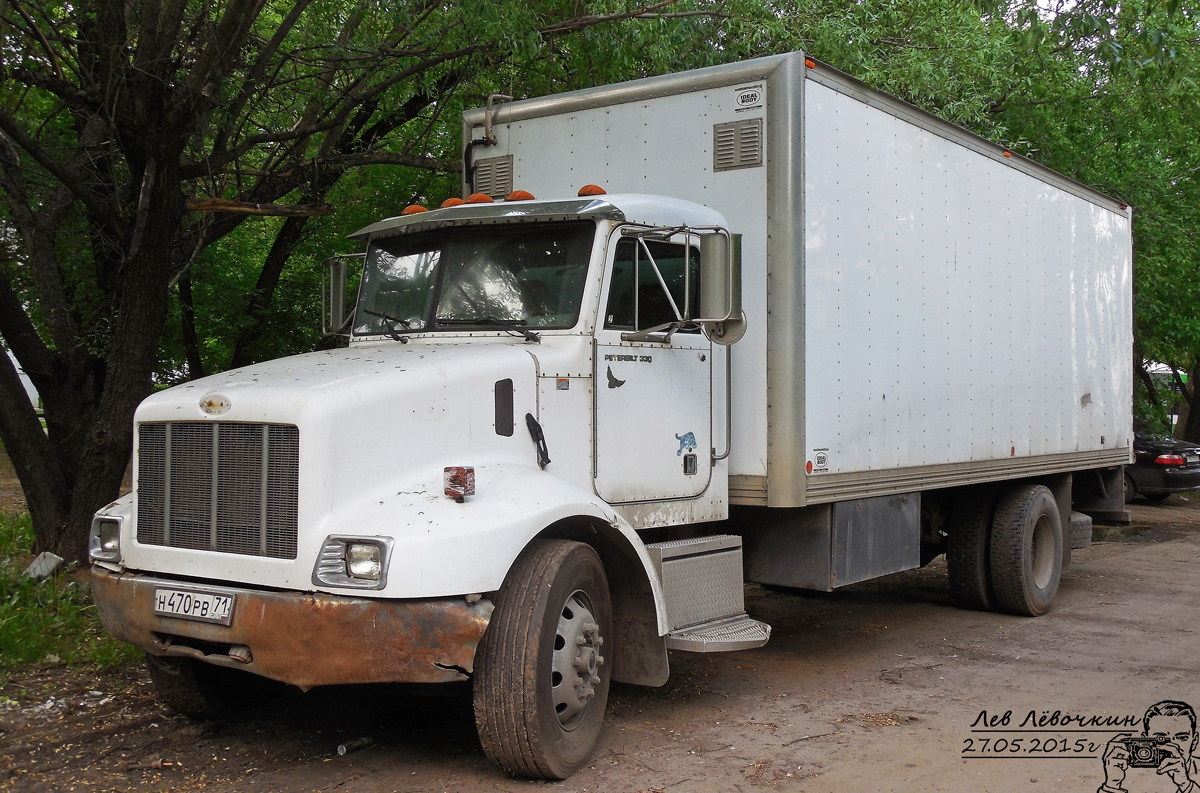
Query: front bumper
x,y
303,638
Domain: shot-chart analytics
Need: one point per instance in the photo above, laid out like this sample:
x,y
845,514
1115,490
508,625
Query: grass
x,y
51,621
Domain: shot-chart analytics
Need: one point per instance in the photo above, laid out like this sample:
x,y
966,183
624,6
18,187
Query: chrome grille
x,y
213,486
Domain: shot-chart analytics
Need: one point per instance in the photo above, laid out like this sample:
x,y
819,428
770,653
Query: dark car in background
x,y
1162,465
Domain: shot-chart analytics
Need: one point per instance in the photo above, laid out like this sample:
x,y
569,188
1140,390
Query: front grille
x,y
213,486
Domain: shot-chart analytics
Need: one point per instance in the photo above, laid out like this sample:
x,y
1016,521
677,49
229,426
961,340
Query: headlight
x,y
363,561
104,541
353,562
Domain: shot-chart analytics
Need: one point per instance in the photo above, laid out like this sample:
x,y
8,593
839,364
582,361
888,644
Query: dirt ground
x,y
873,688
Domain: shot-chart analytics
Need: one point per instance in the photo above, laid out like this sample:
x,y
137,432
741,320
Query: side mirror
x,y
721,313
335,314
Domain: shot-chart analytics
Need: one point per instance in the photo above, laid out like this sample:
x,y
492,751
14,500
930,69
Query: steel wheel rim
x,y
575,668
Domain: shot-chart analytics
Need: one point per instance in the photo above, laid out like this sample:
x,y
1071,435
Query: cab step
x,y
702,585
719,636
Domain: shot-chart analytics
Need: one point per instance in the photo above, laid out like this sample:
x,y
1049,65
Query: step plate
x,y
721,636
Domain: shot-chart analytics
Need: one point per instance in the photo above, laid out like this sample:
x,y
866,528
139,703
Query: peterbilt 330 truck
x,y
791,331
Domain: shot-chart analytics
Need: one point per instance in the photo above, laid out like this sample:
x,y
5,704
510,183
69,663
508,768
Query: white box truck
x,y
791,330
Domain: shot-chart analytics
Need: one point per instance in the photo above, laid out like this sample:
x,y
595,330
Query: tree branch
x,y
69,180
203,204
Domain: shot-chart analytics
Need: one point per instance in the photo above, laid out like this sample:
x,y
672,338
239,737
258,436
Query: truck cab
x,y
469,487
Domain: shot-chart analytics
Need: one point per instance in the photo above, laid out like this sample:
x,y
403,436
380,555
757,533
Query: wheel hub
x,y
577,660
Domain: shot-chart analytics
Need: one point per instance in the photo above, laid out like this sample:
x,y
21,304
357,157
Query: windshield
x,y
520,274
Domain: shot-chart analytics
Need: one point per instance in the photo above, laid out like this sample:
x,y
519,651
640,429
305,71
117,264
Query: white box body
x,y
925,310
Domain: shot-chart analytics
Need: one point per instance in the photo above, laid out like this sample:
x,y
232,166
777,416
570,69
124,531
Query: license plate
x,y
194,604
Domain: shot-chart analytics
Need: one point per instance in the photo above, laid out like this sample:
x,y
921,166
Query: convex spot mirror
x,y
721,314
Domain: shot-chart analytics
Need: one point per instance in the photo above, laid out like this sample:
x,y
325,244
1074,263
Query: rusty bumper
x,y
303,638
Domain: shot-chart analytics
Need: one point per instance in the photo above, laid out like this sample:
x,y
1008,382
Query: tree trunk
x,y
264,290
1190,425
191,343
97,442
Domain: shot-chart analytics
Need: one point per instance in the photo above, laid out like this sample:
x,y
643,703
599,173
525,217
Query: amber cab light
x,y
458,481
1170,459
452,202
591,189
479,198
414,209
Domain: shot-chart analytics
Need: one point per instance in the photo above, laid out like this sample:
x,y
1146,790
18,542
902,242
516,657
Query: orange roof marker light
x,y
452,202
413,210
1008,154
591,189
810,63
479,198
520,195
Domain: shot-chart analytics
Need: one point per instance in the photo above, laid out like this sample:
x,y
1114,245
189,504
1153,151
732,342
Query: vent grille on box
x,y
494,176
212,486
737,144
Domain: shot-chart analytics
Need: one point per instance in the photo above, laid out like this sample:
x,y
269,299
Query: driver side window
x,y
636,299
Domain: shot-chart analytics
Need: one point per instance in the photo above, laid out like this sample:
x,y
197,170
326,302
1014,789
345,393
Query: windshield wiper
x,y
509,326
391,324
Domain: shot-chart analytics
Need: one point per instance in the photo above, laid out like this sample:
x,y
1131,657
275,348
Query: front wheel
x,y
541,676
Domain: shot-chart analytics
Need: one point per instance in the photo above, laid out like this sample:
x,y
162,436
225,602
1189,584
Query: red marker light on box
x,y
458,481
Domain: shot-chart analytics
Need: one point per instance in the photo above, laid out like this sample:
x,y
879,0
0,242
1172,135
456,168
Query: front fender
x,y
444,548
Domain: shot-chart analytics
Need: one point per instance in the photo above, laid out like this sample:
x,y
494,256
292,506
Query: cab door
x,y
653,390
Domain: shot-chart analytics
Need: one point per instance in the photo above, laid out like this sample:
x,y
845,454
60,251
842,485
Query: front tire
x,y
1026,550
541,679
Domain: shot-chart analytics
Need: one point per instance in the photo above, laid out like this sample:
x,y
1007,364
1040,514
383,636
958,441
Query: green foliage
x,y
40,620
944,57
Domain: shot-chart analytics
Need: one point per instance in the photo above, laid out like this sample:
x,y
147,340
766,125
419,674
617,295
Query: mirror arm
x,y
659,333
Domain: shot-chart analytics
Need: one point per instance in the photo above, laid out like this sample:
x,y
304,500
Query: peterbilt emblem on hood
x,y
214,404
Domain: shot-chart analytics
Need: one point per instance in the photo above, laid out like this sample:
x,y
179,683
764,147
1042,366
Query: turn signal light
x,y
1170,459
458,481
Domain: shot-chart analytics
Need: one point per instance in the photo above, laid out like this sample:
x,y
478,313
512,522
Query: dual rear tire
x,y
1005,550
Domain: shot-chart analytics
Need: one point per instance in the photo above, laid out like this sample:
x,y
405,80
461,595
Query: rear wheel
x,y
968,551
1026,550
541,679
1130,488
205,691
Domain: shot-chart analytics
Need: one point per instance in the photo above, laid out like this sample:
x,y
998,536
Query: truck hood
x,y
374,418
390,378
